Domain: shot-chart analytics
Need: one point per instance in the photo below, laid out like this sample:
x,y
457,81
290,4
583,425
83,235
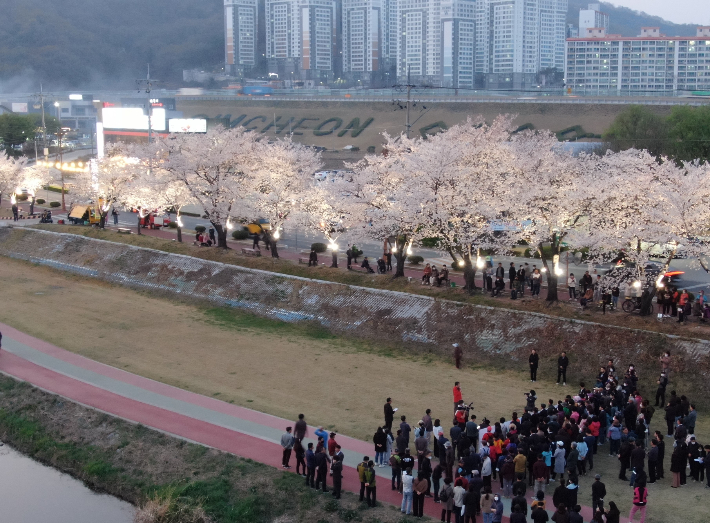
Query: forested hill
x,y
627,22
71,43
94,43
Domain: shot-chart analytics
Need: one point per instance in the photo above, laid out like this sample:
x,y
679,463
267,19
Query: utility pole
x,y
409,96
148,87
44,125
410,103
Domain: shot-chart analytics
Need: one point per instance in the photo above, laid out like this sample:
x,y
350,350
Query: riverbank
x,y
163,475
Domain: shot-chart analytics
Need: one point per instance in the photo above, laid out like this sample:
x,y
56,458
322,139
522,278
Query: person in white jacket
x,y
486,471
407,490
572,284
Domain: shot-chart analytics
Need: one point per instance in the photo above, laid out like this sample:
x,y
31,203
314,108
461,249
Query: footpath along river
x,y
34,493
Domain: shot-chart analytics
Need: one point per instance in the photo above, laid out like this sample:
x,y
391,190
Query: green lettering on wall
x,y
301,126
250,120
356,127
235,122
320,131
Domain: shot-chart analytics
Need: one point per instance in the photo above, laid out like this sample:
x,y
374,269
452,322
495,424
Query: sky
x,y
678,11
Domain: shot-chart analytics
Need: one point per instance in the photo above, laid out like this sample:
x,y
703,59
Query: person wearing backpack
x,y
639,502
396,465
447,501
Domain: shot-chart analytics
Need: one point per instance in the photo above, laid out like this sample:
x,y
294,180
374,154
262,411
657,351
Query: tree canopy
x,y
683,136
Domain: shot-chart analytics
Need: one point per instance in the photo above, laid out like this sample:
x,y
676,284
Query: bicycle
x,y
634,303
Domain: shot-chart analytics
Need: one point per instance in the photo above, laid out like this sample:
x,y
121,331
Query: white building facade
x,y
592,17
646,64
515,39
300,38
241,21
458,43
366,32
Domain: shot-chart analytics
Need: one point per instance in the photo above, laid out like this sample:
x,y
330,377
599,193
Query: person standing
x,y
407,493
311,465
639,502
533,361
287,445
598,493
541,474
458,395
14,212
300,456
114,213
301,428
572,286
420,487
380,441
458,354
371,484
653,461
562,364
662,382
690,419
322,461
406,429
361,468
212,236
428,425
447,501
337,470
313,258
661,445
389,414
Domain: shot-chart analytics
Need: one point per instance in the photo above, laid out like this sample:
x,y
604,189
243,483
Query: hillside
x,y
92,44
71,43
627,22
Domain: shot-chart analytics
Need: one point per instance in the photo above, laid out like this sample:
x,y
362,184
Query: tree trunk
x,y
401,257
334,265
274,250
179,234
32,206
469,274
221,235
139,224
550,271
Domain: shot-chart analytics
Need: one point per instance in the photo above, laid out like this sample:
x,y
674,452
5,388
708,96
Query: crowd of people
x,y
470,466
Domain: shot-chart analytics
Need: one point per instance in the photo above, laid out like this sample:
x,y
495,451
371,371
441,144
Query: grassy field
x,y
280,368
562,309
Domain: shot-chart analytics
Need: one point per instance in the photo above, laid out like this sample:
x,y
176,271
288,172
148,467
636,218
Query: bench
x,y
356,267
251,252
123,230
304,261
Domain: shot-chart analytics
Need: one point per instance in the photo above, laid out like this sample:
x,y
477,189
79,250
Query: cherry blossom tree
x,y
109,180
11,174
214,168
279,180
548,198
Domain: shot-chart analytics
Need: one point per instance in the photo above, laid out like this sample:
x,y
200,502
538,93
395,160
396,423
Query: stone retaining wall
x,y
424,324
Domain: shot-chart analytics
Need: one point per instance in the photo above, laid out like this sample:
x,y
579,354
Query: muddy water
x,y
33,493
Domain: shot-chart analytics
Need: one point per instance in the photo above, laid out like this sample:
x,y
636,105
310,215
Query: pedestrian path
x,y
200,419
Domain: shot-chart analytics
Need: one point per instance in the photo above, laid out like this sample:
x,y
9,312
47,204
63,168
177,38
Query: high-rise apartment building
x,y
300,38
515,39
600,63
241,21
419,39
458,30
365,38
592,17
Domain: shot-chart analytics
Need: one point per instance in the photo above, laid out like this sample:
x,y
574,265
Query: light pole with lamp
x,y
60,135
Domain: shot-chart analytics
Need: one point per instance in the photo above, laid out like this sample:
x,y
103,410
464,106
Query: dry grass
x,y
284,369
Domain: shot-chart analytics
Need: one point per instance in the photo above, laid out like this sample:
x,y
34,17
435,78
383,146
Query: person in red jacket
x,y
458,395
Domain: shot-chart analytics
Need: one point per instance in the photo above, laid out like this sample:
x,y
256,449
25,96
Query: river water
x,y
33,493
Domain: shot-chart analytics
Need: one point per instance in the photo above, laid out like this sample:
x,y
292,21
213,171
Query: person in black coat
x,y
389,415
661,444
313,258
562,364
533,361
337,469
512,274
